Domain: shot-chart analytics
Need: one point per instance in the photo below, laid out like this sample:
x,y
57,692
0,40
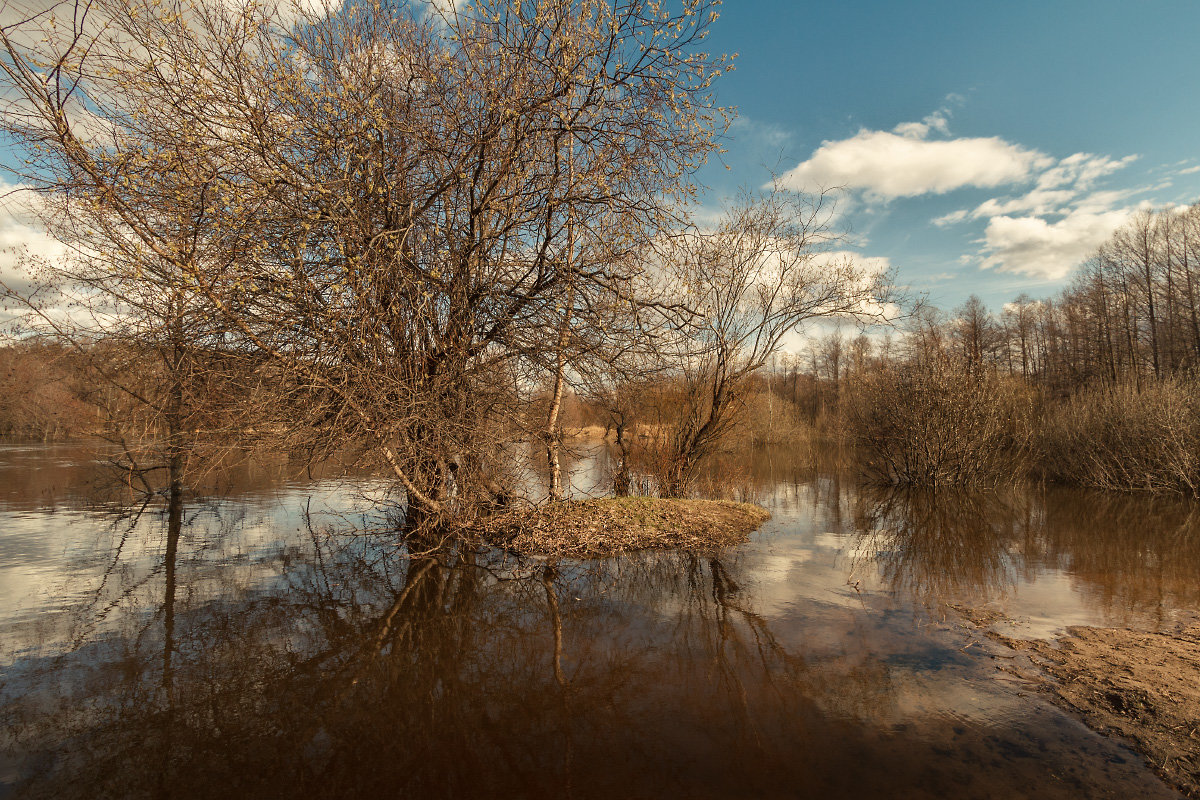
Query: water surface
x,y
278,644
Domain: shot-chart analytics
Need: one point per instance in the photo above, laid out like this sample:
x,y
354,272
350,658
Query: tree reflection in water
x,y
1129,555
369,673
935,547
196,660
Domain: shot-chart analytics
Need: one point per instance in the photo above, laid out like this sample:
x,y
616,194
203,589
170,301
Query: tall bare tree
x,y
377,199
769,267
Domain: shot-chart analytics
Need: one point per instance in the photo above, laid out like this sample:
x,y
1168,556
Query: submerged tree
x,y
383,207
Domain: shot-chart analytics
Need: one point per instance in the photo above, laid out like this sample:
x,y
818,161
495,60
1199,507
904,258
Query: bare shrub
x,y
936,423
1122,438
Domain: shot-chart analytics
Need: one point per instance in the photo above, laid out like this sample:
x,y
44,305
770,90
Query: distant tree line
x,y
1131,314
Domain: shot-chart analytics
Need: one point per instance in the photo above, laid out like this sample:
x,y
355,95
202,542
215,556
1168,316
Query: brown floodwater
x,y
278,642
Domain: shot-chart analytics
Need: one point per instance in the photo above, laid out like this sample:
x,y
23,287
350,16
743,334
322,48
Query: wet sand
x,y
1143,687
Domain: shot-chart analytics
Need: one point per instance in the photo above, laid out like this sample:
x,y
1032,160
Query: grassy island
x,y
607,526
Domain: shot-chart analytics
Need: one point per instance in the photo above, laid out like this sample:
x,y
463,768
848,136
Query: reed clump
x,y
1144,438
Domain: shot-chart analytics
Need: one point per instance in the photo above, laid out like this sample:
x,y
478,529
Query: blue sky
x,y
985,147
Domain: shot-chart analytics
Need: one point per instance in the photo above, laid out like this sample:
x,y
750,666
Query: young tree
x,y
975,331
768,268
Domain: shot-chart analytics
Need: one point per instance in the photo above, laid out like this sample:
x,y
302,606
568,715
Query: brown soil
x,y
604,527
1144,687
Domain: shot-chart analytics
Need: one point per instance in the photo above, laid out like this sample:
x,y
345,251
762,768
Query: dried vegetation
x,y
603,527
1122,438
939,423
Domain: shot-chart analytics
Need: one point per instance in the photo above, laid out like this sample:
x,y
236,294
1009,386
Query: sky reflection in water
x,y
279,654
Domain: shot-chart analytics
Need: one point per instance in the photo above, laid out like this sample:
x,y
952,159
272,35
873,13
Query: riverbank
x,y
607,526
1141,686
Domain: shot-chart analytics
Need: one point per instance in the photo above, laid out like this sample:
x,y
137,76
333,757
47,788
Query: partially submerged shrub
x,y
1125,438
936,423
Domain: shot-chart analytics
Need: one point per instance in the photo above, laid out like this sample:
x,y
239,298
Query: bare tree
x,y
380,204
767,268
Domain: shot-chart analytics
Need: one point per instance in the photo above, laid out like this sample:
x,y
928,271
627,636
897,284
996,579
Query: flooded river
x,y
281,644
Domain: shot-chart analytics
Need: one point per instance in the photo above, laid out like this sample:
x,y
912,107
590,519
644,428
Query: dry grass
x,y
604,527
1122,438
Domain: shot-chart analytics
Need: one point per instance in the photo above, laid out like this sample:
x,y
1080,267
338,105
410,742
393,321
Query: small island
x,y
602,527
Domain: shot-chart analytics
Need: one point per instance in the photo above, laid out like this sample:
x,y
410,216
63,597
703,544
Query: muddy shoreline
x,y
1142,687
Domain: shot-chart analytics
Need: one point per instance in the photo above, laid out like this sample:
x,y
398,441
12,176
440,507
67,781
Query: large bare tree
x,y
388,206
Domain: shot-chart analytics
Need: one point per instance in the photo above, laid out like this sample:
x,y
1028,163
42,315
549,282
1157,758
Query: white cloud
x,y
1013,308
445,10
1038,201
1047,230
937,121
22,236
906,162
1047,216
1032,246
951,218
1057,189
307,9
1081,170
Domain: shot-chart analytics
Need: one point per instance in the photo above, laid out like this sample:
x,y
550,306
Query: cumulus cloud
x,y
907,161
1059,222
22,236
937,121
1064,186
1047,214
1032,246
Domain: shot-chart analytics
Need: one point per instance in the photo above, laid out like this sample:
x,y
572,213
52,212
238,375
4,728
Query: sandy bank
x,y
603,527
1143,687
